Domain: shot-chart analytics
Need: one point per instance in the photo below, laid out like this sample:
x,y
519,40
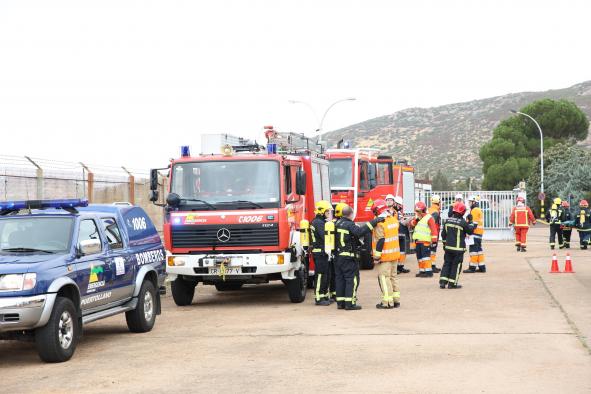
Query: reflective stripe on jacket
x,y
422,231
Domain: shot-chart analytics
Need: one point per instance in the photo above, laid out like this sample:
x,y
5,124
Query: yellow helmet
x,y
322,206
557,201
435,199
338,210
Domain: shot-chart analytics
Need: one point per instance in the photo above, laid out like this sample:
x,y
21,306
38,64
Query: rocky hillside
x,y
450,134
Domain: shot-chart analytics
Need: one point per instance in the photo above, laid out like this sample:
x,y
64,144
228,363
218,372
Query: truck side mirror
x,y
153,180
89,246
300,182
154,195
373,182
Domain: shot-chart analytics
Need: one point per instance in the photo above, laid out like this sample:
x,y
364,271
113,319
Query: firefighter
x,y
459,198
476,253
555,217
583,223
453,236
395,205
346,267
424,235
386,252
521,217
567,230
338,214
435,212
321,258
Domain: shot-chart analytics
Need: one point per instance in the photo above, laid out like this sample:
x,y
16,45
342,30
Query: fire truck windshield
x,y
228,183
341,173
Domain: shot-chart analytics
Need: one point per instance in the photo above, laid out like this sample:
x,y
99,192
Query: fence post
x,y
39,178
131,190
90,182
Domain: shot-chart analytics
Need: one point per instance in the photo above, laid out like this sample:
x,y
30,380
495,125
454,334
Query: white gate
x,y
496,207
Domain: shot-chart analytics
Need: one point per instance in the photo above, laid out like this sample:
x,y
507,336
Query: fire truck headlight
x,y
274,259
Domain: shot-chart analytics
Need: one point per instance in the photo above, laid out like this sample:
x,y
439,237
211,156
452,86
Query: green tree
x,y
510,156
567,172
440,182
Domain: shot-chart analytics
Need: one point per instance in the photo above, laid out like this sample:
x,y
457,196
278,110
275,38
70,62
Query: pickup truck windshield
x,y
341,173
245,184
35,234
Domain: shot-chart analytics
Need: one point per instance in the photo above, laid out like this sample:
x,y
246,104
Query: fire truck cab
x,y
233,218
360,176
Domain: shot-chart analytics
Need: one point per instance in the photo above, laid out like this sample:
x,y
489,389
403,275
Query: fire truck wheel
x,y
182,291
297,287
228,286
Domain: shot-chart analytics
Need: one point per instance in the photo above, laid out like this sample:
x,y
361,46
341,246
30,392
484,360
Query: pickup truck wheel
x,y
182,291
228,286
57,340
143,317
296,288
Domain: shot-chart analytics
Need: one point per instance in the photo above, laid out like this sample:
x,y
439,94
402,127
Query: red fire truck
x,y
233,218
360,176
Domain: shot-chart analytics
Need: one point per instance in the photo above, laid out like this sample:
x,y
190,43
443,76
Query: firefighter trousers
x,y
332,287
566,234
423,253
452,267
556,231
584,238
346,269
521,236
388,281
477,254
322,273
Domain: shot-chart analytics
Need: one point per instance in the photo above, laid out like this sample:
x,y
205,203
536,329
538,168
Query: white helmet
x,y
398,200
390,197
459,196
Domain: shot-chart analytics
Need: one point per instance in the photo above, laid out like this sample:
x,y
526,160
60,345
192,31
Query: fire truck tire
x,y
296,288
182,291
228,286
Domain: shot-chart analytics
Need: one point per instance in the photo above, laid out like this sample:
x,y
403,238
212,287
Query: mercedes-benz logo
x,y
223,235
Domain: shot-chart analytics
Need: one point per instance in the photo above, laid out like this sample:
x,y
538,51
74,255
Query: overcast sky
x,y
128,82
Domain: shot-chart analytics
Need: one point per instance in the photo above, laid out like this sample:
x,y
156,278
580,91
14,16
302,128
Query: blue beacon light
x,y
41,204
185,151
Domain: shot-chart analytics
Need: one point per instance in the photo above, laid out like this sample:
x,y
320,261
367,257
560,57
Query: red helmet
x,y
520,199
379,206
565,204
420,206
459,207
584,204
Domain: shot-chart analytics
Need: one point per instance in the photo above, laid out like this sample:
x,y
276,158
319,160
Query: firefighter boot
x,y
482,269
323,303
442,284
381,306
470,270
340,305
435,269
401,269
523,249
454,286
518,248
396,305
352,307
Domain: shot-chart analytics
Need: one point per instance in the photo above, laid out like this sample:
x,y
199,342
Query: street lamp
x,y
541,159
319,129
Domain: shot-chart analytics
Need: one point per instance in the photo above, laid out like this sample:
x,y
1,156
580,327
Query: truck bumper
x,y
235,266
25,313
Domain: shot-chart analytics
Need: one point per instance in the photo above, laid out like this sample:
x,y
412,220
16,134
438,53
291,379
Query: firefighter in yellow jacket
x,y
476,253
386,253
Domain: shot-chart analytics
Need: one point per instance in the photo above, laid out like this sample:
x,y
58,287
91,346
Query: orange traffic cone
x,y
568,265
554,269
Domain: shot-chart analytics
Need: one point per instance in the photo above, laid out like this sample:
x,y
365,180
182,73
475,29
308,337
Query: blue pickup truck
x,y
64,264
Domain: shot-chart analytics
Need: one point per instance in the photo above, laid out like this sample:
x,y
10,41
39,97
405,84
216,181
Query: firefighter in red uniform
x,y
425,235
521,217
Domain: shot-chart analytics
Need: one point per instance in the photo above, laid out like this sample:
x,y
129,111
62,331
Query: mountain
x,y
449,136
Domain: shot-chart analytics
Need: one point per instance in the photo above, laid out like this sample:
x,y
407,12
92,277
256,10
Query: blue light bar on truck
x,y
42,204
185,151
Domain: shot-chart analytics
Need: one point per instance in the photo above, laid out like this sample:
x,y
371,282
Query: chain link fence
x,y
496,207
27,178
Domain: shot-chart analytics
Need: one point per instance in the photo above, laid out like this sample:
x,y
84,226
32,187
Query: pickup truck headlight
x,y
17,282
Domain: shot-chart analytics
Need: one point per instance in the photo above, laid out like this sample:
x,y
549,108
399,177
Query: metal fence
x,y
496,207
26,178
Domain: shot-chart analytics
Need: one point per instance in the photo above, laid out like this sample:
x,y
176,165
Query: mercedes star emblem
x,y
223,235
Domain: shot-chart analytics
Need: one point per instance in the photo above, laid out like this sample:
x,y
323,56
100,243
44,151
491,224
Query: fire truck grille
x,y
197,236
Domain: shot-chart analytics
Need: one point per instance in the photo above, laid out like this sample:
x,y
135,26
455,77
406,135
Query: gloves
x,y
434,245
379,219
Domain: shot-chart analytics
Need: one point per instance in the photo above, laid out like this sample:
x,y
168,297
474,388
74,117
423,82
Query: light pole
x,y
541,159
320,124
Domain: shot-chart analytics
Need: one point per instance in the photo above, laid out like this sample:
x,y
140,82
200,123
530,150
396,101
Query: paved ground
x,y
515,329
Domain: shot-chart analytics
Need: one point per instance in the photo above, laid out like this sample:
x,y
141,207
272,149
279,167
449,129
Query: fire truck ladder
x,y
288,142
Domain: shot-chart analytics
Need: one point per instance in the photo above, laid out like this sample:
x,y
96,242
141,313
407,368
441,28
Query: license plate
x,y
229,271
